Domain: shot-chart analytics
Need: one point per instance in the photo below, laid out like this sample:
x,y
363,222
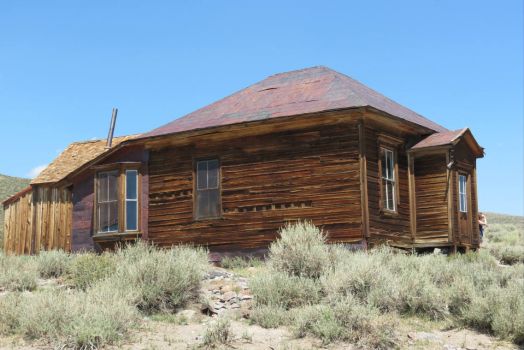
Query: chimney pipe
x,y
111,128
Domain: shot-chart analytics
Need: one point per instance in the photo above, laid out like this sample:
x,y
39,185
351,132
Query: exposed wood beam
x,y
363,179
412,197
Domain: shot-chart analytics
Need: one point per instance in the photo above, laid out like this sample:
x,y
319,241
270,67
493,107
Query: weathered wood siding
x,y
386,227
431,186
39,220
475,235
465,162
267,180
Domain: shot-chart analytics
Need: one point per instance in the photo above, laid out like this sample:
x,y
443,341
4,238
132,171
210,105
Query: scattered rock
x,y
228,296
244,296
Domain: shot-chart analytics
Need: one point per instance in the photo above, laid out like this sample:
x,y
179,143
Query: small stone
x,y
243,296
216,307
234,306
427,336
226,288
228,296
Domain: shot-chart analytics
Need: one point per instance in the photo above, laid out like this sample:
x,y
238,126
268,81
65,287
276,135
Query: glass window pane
x,y
202,208
202,175
131,215
214,204
131,184
112,184
102,188
113,216
212,173
391,166
103,217
384,164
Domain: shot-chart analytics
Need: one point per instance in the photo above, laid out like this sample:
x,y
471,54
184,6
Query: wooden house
x,y
311,144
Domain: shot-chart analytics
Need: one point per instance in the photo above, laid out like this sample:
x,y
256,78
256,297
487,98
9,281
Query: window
x,y
131,200
107,198
117,209
388,184
463,207
207,189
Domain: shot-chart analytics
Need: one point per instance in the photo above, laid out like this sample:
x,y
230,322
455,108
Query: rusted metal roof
x,y
440,139
73,157
450,138
297,92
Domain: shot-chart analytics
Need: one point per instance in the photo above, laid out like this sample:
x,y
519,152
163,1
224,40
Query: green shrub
x,y
10,305
499,311
88,268
300,250
102,316
162,279
53,263
218,333
18,273
346,320
75,319
509,255
269,316
281,290
239,262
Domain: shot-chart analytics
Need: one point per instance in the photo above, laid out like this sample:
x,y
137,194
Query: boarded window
x,y
207,189
388,179
463,207
131,200
107,201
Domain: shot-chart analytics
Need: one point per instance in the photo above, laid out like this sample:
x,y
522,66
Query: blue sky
x,y
65,64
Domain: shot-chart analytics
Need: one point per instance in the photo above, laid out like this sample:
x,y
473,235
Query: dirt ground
x,y
166,335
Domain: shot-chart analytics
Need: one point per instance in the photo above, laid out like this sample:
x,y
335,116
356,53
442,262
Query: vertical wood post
x,y
450,187
412,197
363,179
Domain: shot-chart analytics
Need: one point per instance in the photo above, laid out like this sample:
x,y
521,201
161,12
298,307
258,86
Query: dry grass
x,y
218,333
18,273
110,292
470,290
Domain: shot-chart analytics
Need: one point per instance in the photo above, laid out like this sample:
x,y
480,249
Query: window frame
x,y
196,189
383,150
136,200
393,178
98,203
463,195
121,169
393,144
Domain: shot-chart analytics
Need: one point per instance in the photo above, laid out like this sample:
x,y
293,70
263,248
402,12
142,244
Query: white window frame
x,y
463,193
388,154
131,200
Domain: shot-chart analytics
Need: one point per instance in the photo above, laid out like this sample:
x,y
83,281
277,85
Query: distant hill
x,y
9,185
496,218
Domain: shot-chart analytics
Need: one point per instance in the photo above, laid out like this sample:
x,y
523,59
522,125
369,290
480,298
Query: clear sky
x,y
65,64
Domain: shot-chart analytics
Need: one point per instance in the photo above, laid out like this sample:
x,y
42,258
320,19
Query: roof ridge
x,y
102,139
299,70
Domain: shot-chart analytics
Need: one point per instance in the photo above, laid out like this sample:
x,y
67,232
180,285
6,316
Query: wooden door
x,y
464,207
